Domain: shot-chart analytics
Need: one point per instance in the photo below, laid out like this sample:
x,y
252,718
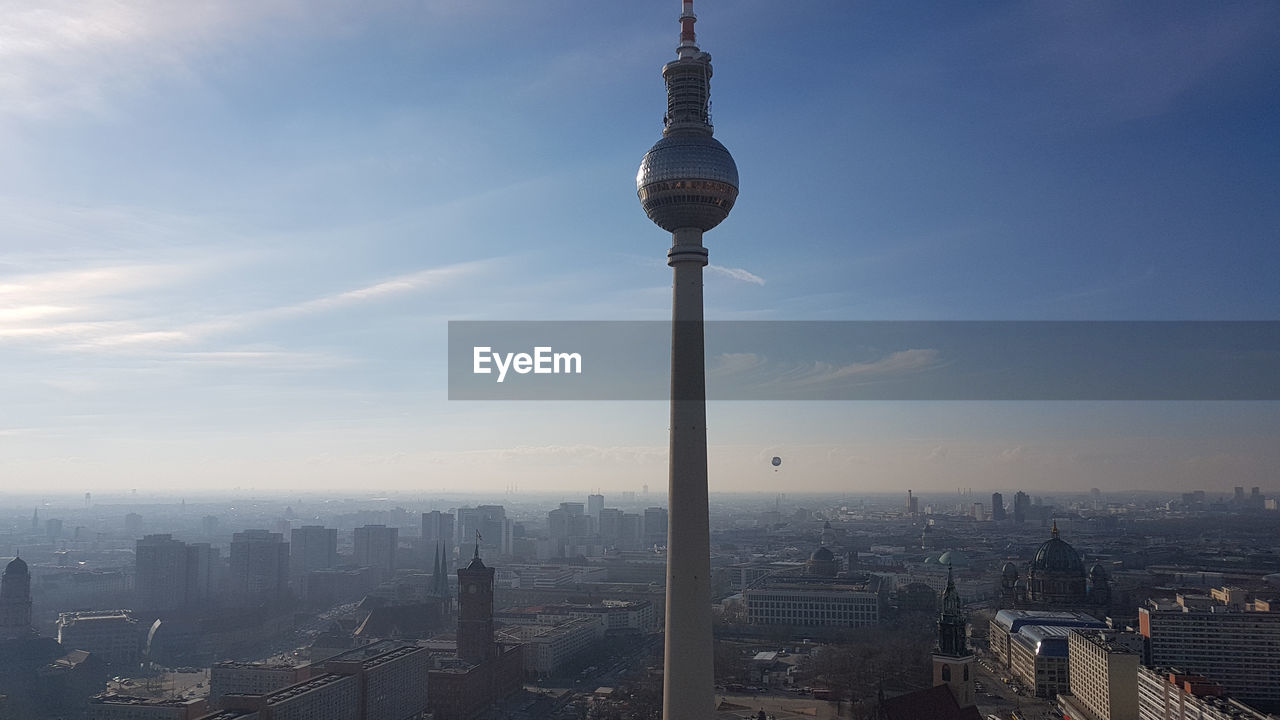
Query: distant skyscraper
x,y
997,507
913,504
259,567
160,579
595,503
610,524
1021,504
687,184
375,547
311,547
437,527
133,524
655,523
494,527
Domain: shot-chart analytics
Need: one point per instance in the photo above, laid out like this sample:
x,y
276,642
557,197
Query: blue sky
x,y
231,235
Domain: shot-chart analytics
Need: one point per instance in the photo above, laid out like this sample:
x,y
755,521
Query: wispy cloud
x,y
737,274
74,55
753,370
106,310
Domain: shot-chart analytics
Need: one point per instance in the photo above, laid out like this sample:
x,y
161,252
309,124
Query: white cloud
x,y
737,274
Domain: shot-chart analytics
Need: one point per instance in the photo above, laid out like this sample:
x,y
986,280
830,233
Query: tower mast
x,y
687,184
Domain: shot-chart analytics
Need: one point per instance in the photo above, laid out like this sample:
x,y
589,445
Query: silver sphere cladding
x,y
687,181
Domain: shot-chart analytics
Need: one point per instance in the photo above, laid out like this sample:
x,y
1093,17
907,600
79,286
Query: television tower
x,y
687,184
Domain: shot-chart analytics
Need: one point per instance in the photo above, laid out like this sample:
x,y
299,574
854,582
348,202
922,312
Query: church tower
x,y
952,661
15,601
475,610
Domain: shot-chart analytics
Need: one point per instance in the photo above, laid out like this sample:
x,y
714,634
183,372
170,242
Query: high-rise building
x,y
160,579
202,564
259,568
1104,671
375,547
655,524
15,600
595,503
610,524
173,575
1171,694
997,507
952,660
1021,504
913,504
687,184
311,547
1238,649
494,527
437,527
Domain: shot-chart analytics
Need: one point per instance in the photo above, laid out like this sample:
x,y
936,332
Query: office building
x,y
325,697
252,678
375,547
805,602
655,524
437,527
110,706
1238,649
1021,505
1170,694
259,568
114,636
1007,624
997,507
1103,675
311,547
173,575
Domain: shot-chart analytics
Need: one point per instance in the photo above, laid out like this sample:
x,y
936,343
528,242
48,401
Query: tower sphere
x,y
687,181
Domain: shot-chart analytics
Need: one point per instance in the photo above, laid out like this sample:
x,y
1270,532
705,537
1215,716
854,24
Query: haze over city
x,y
231,236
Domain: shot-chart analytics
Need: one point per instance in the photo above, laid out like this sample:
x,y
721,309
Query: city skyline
x,y
233,237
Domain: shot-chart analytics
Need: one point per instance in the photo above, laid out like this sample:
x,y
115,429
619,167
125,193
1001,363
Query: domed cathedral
x,y
1055,577
821,563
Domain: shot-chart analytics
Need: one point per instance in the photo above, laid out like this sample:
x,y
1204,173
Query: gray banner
x,y
792,360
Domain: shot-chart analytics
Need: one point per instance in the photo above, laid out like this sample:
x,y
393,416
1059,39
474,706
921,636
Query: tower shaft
x,y
688,690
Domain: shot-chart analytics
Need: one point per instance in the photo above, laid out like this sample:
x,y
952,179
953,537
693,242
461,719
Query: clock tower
x,y
475,611
952,661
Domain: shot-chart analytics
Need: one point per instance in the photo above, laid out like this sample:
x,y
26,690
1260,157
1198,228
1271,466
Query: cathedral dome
x,y
17,566
1009,571
822,554
1055,555
1097,572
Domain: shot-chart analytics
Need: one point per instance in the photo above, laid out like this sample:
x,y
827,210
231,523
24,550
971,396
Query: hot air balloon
x,y
776,462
